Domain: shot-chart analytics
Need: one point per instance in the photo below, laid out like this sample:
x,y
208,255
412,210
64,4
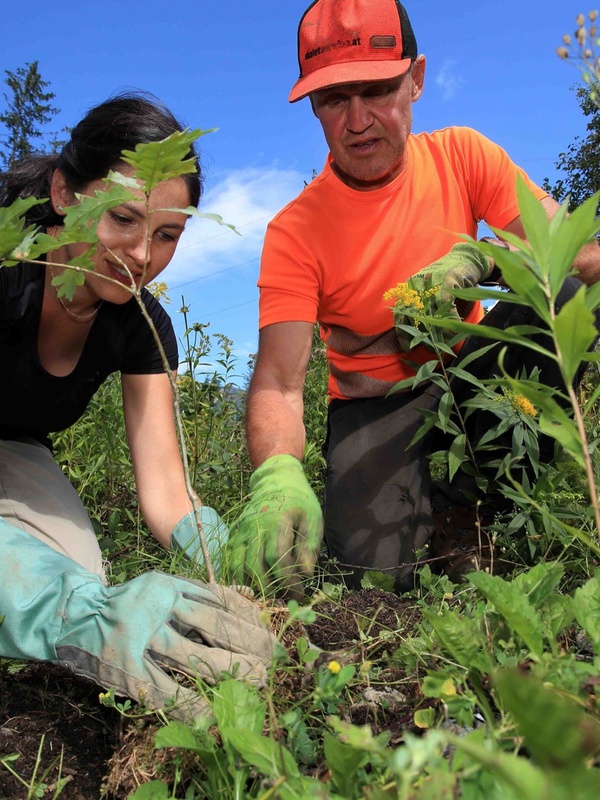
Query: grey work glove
x,y
464,266
127,637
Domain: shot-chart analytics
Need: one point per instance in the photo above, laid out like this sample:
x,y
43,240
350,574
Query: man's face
x,y
366,126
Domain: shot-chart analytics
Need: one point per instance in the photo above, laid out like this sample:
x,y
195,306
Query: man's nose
x,y
359,116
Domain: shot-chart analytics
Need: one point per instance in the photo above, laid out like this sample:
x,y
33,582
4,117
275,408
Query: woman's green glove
x,y
279,533
464,266
135,637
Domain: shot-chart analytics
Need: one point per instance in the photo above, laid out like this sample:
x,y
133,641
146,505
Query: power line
x,y
212,274
223,233
229,308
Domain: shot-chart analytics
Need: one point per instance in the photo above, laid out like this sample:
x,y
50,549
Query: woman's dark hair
x,y
95,147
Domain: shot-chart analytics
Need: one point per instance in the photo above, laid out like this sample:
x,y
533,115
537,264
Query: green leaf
x,y
344,761
515,335
540,581
586,606
463,639
514,606
575,332
176,734
360,737
81,218
373,579
520,779
523,281
155,790
592,297
466,360
456,455
566,434
568,235
445,409
424,718
191,211
154,162
15,238
237,705
267,755
304,614
535,224
554,420
67,282
556,731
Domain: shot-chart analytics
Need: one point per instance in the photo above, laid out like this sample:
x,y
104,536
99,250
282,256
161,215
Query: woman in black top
x,y
55,353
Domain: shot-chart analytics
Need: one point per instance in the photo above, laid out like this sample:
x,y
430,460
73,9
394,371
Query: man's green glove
x,y
464,266
185,536
131,637
279,533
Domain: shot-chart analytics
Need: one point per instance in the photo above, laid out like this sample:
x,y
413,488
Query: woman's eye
x,y
121,219
167,237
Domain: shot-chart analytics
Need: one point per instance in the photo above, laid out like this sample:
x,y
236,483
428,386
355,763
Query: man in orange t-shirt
x,y
387,205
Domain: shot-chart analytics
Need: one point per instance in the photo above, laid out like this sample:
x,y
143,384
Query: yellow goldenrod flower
x,y
402,295
523,405
160,290
334,667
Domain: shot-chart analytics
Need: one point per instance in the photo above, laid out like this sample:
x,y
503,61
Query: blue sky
x,y
231,63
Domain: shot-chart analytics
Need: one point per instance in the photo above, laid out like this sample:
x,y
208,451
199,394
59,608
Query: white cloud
x,y
248,199
448,80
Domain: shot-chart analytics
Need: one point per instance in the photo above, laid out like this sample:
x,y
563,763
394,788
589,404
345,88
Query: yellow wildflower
x,y
334,667
523,405
405,297
160,290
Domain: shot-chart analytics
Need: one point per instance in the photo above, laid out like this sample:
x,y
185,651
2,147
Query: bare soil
x,y
103,755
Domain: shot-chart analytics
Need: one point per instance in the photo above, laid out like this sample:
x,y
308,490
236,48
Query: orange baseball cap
x,y
349,41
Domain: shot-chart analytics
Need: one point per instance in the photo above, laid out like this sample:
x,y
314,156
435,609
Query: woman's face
x,y
136,242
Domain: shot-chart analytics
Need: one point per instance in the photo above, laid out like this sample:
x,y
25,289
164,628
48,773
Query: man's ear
x,y
60,194
418,77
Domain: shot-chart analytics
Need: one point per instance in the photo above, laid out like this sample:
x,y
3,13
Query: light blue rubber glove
x,y
279,532
127,637
185,536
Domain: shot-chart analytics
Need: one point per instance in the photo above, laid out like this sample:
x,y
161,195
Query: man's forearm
x,y
587,263
273,424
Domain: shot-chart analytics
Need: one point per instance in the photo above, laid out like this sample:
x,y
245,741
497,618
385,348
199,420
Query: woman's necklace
x,y
81,318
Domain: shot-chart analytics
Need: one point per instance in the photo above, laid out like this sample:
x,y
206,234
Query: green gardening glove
x,y
464,266
279,533
133,637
